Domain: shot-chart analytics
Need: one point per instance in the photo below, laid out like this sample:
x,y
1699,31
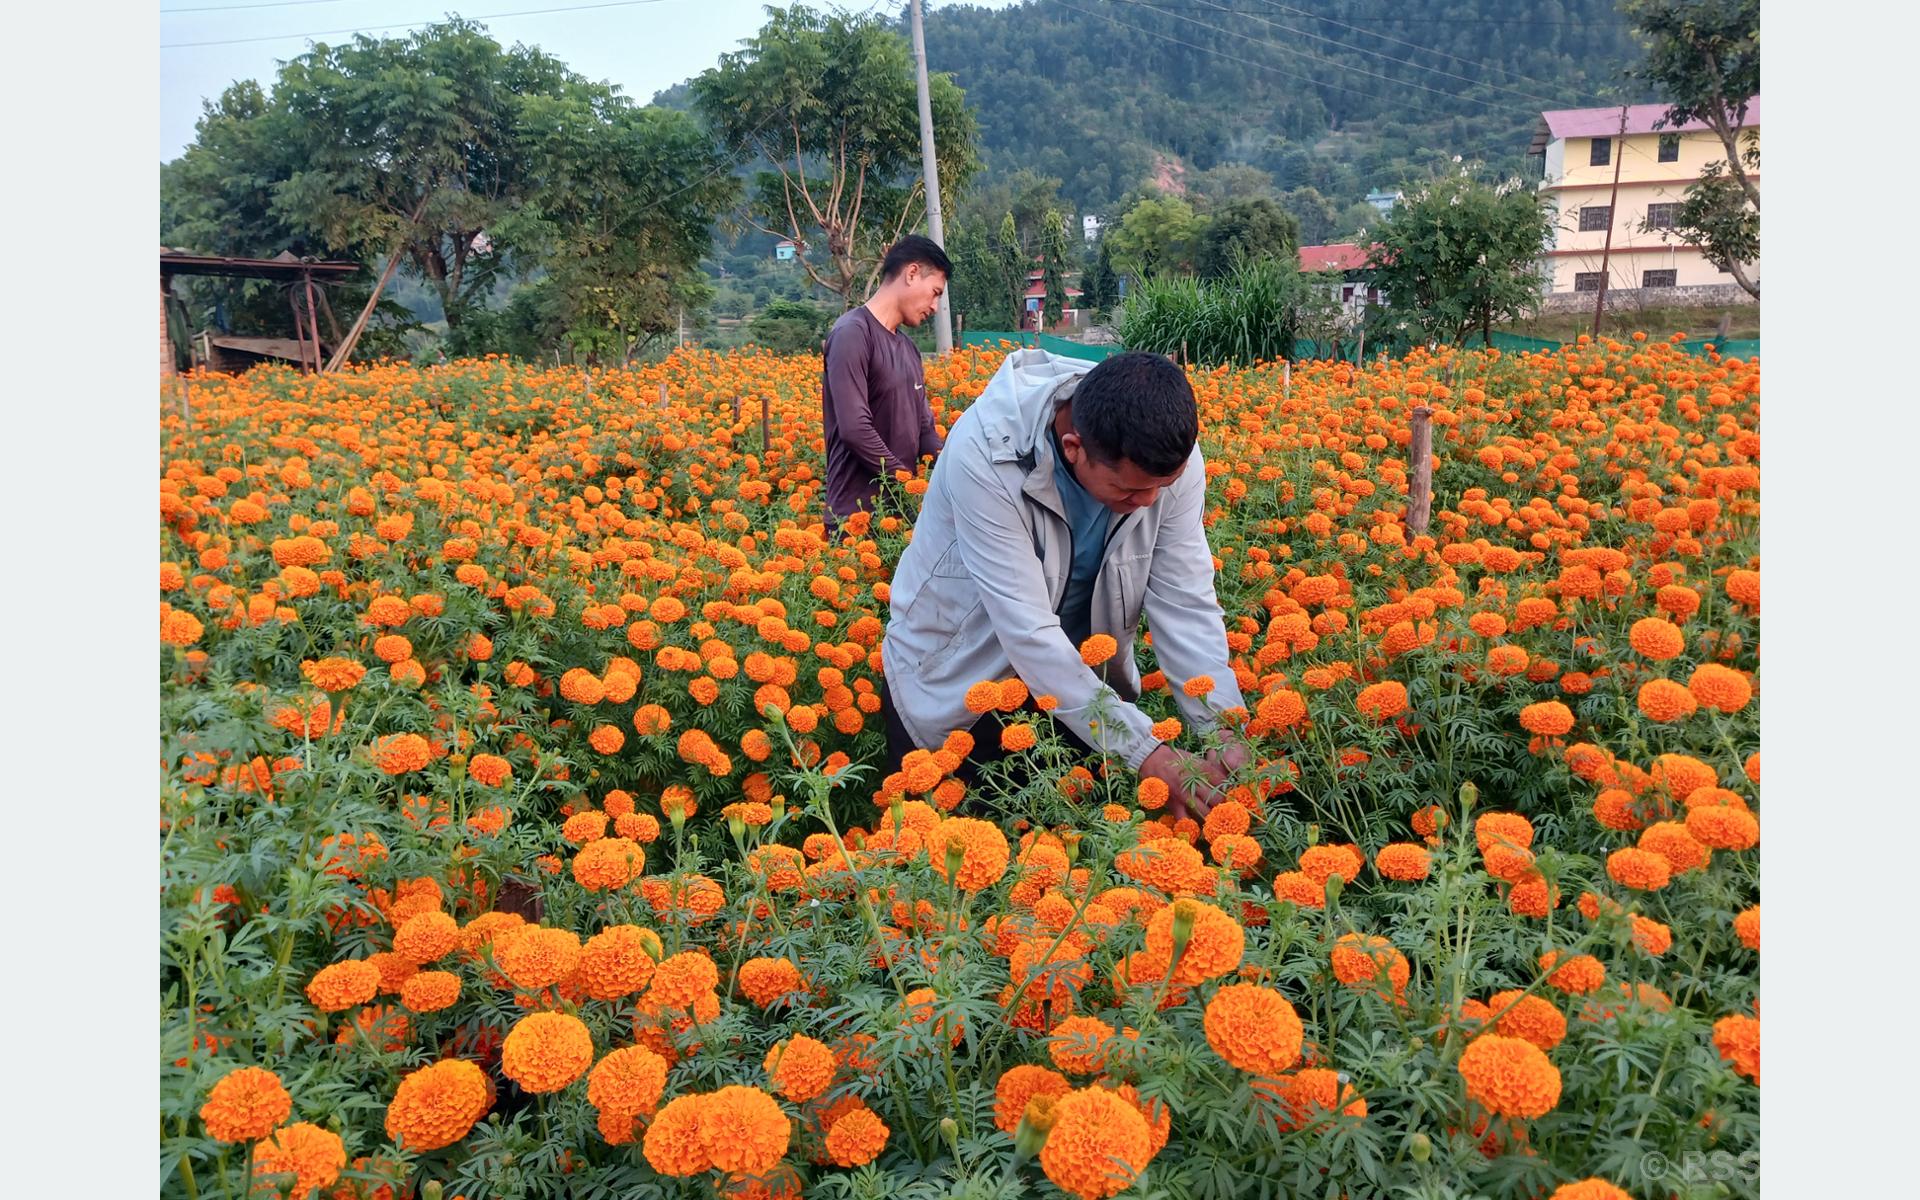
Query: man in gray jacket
x,y
1067,502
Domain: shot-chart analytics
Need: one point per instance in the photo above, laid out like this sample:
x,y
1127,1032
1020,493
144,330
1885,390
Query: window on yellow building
x,y
1586,281
1601,153
1659,279
1660,216
1595,217
1669,147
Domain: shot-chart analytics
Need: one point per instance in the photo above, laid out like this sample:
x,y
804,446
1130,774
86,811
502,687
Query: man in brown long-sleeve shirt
x,y
874,407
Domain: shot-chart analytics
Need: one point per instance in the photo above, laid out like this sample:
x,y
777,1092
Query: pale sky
x,y
642,45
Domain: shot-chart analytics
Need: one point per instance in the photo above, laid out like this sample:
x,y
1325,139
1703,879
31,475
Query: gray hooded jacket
x,y
976,592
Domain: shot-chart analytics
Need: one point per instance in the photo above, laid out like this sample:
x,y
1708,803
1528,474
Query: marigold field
x,y
522,831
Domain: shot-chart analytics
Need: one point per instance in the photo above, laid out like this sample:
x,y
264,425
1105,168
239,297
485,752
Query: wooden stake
x,y
663,393
345,348
764,437
313,319
1286,379
1420,491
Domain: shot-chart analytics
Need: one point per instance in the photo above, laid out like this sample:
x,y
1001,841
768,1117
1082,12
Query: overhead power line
x,y
1417,46
220,8
1311,56
288,37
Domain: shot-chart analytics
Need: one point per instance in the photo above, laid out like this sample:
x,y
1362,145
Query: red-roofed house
x,y
1033,308
1656,166
1350,259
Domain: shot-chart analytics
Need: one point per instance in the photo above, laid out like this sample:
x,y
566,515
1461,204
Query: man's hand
x,y
1191,791
1226,762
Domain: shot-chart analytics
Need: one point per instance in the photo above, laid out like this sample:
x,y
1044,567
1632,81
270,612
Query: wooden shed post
x,y
1420,491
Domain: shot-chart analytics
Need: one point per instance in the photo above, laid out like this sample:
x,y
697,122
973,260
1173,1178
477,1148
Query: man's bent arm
x,y
1189,628
998,555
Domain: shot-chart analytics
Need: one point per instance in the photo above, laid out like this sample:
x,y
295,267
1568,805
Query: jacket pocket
x,y
1129,582
945,601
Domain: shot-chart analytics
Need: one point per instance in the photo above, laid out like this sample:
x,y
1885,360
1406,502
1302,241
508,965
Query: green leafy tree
x,y
1314,214
1012,259
1246,230
1704,57
828,104
1100,287
790,327
1460,255
980,295
1053,267
466,168
1157,237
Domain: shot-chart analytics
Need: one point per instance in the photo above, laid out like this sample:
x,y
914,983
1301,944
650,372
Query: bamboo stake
x,y
764,438
359,325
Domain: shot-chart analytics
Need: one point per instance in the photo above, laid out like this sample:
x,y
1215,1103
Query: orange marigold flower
x,y
489,770
982,848
401,753
1019,1085
1214,947
1506,661
1360,960
608,863
438,1105
1591,1188
1664,700
1321,862
1577,976
673,1145
1549,718
334,674
1657,638
1737,1038
1098,649
766,980
430,991
1308,1093
1746,926
1080,1045
1650,935
1017,736
743,1130
315,1156
1743,587
617,962
606,739
584,827
426,936
1718,687
339,986
1641,870
1301,888
1509,1076
1404,862
535,956
546,1051
628,1081
801,1067
857,1138
683,978
983,697
1671,841
245,1105
1528,1017
1098,1145
1198,687
1253,1028
1382,701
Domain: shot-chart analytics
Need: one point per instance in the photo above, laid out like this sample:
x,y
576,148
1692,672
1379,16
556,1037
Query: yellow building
x,y
1580,147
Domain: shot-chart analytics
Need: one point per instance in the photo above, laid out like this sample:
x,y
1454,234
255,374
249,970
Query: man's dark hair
x,y
915,249
1139,407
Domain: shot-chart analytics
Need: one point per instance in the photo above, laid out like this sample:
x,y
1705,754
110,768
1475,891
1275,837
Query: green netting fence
x,y
1507,343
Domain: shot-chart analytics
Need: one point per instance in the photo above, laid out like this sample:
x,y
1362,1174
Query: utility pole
x,y
1613,199
930,166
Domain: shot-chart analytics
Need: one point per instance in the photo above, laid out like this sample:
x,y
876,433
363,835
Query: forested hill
x,y
1338,95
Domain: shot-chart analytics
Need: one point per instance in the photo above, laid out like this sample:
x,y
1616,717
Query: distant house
x,y
1350,259
1383,200
1580,150
784,250
1034,306
1090,227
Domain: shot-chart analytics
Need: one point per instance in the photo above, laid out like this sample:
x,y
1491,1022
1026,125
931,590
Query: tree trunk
x,y
1739,273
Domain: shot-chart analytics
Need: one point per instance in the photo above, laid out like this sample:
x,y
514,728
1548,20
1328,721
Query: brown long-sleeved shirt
x,y
874,410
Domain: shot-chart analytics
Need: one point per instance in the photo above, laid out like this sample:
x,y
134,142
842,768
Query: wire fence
x,y
1306,348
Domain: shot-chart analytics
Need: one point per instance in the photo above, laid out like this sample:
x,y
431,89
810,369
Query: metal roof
x,y
286,266
1605,122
